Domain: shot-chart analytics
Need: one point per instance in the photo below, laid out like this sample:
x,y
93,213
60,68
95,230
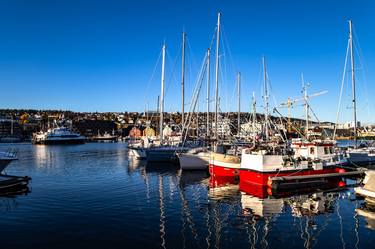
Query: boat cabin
x,y
315,149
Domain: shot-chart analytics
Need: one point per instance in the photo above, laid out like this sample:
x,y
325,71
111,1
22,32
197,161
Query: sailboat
x,y
162,152
220,164
364,156
198,158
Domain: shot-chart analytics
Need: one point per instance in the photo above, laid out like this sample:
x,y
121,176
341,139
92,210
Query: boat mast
x,y
208,94
353,81
239,102
304,89
198,115
254,116
183,79
217,74
265,97
162,94
158,104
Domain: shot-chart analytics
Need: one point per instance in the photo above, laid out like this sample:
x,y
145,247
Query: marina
x,y
170,124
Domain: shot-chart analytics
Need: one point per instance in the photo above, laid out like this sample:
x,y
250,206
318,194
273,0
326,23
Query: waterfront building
x,y
90,128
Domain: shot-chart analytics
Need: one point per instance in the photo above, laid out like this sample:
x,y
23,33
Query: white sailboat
x,y
164,152
364,156
198,158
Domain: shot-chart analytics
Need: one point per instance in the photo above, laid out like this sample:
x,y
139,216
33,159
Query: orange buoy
x,y
269,191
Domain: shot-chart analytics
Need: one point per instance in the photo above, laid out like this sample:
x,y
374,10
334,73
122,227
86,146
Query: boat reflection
x,y
368,212
135,165
223,188
162,168
189,178
312,204
209,207
16,191
262,207
8,198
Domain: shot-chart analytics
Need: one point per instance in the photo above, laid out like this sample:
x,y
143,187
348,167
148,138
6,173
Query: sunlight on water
x,y
95,196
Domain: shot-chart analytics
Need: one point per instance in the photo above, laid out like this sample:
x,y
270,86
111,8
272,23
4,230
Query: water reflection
x,y
368,212
223,188
8,204
16,191
135,165
211,210
8,198
131,204
43,156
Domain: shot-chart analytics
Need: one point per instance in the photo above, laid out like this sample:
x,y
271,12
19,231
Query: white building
x,y
223,128
348,125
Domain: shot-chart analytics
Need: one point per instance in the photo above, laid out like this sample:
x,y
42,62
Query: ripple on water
x,y
94,196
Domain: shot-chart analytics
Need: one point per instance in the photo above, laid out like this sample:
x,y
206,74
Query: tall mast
x,y
353,81
265,97
208,94
304,89
183,79
217,73
162,94
158,104
289,105
239,102
198,115
254,110
254,116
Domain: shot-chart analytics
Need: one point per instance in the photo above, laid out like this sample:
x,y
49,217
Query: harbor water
x,y
96,196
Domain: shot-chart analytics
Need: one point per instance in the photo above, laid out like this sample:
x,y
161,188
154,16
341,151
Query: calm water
x,y
94,196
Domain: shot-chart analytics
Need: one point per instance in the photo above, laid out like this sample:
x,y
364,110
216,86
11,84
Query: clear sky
x,y
100,55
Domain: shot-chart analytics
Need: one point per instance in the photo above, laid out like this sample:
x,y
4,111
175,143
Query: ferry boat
x,y
59,135
303,158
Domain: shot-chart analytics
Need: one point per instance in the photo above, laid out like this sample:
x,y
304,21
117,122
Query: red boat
x,y
222,165
310,158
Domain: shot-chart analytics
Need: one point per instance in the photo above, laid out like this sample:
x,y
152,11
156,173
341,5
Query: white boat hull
x,y
138,153
197,161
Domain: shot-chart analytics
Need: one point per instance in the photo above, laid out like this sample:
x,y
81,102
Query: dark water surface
x,y
94,196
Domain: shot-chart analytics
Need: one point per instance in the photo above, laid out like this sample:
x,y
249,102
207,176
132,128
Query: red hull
x,y
220,181
264,191
220,171
261,178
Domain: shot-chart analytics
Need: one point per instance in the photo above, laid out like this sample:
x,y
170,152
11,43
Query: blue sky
x,y
100,55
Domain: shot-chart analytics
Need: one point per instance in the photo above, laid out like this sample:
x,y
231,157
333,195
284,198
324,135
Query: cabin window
x,y
326,150
331,150
312,151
